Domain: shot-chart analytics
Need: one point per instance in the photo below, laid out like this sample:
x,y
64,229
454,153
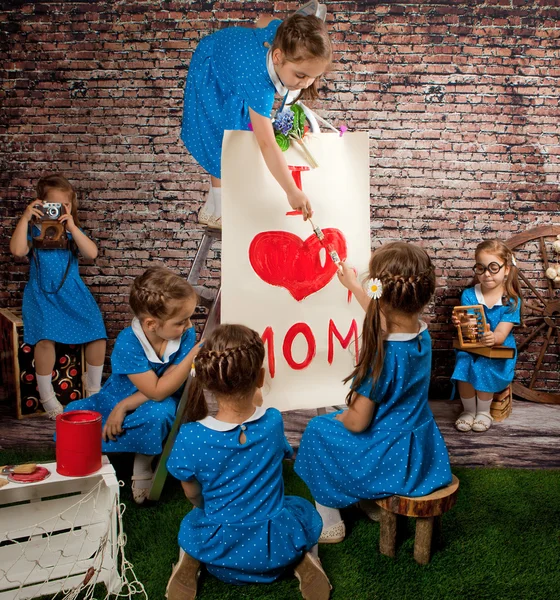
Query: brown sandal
x,y
313,581
182,584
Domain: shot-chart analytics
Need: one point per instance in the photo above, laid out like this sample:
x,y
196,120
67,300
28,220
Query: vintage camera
x,y
53,233
51,210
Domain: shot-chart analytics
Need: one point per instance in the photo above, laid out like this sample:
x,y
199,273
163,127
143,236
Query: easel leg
x,y
160,474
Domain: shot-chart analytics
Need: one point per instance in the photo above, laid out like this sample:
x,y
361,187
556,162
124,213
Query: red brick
x,y
461,101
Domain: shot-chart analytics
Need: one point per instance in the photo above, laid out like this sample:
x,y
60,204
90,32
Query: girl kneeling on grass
x,y
242,528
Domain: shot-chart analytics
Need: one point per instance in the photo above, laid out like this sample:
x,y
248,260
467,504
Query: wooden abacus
x,y
472,325
470,331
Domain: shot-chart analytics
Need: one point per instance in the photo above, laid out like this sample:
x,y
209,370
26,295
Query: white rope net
x,y
65,555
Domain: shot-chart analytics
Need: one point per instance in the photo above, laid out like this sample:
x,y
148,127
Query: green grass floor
x,y
501,542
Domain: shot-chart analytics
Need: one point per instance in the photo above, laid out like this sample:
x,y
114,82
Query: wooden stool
x,y
427,511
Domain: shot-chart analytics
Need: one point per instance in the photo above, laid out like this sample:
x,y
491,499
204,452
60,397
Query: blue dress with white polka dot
x,y
401,452
247,531
145,428
69,316
483,373
227,75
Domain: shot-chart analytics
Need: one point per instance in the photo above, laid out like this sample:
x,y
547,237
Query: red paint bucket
x,y
78,443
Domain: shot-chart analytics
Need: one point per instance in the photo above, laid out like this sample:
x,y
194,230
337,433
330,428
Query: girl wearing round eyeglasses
x,y
498,291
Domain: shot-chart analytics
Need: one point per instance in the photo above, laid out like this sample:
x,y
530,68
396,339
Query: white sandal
x,y
52,408
214,222
333,534
464,422
140,495
482,422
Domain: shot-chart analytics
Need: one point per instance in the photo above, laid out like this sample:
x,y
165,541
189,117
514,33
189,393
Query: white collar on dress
x,y
172,345
279,86
406,337
480,297
216,425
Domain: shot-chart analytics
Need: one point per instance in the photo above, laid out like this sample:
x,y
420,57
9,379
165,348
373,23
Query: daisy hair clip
x,y
513,261
193,369
374,288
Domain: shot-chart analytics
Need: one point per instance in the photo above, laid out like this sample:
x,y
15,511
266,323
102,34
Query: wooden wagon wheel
x,y
541,305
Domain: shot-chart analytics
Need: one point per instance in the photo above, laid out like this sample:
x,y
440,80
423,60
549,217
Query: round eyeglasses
x,y
492,268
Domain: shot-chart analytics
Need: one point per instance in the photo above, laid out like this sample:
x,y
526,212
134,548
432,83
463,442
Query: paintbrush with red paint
x,y
326,245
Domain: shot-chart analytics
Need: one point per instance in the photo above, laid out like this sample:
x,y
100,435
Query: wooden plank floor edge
x,y
529,438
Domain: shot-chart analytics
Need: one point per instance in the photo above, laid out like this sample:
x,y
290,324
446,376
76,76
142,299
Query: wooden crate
x,y
19,384
501,406
54,528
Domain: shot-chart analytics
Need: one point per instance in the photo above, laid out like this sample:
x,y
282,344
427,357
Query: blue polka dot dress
x,y
247,531
227,75
488,374
69,316
146,427
401,452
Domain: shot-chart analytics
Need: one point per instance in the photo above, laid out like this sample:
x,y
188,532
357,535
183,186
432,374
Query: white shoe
x,y
333,534
207,211
464,422
214,222
482,422
52,407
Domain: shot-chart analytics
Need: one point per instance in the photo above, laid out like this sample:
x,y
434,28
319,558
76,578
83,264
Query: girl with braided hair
x,y
387,441
150,362
242,527
497,289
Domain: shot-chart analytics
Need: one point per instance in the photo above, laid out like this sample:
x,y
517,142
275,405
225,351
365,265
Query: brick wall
x,y
461,100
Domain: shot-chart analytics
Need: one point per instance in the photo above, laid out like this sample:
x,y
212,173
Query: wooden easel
x,y
212,302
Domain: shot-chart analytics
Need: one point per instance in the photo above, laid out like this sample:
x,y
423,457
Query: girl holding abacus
x,y
498,291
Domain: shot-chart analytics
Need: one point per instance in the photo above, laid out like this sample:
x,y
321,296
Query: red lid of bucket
x,y
79,417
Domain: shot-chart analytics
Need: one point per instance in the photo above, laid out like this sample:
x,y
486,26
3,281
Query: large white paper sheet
x,y
277,279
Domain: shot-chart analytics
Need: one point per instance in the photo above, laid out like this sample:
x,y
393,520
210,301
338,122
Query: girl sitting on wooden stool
x,y
387,442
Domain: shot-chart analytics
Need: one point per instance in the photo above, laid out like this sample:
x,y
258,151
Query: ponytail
x,y
197,408
372,353
408,282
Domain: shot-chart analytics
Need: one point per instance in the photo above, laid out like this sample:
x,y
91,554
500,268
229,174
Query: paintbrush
x,y
326,245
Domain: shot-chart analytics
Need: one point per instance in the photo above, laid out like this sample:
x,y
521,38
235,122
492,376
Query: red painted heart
x,y
283,259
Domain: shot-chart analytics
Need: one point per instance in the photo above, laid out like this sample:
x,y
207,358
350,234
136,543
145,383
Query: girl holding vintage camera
x,y
57,306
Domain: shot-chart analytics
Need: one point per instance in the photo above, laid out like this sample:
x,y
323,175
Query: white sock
x,y
217,194
330,516
208,207
469,405
483,407
48,396
315,551
93,377
45,387
143,468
